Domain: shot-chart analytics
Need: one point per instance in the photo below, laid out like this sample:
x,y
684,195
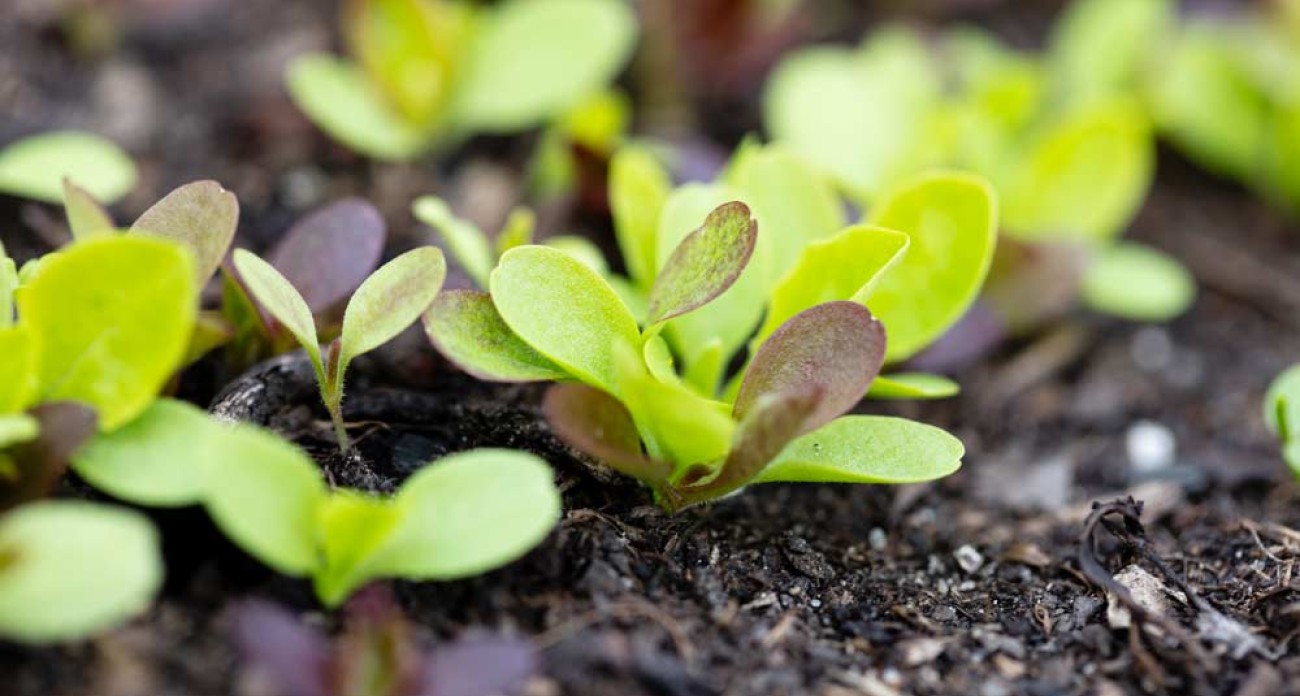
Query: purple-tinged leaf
x,y
705,263
64,427
836,348
330,252
479,666
202,216
376,655
85,215
597,424
295,656
466,328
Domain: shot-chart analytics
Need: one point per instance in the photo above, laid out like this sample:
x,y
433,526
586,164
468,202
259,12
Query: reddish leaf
x,y
329,253
705,263
65,426
597,424
835,348
295,656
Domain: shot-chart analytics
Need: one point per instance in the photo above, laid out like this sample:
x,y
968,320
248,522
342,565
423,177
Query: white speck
x,y
877,539
968,558
1150,446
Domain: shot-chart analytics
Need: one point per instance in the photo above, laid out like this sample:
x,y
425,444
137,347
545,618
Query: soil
x,y
992,582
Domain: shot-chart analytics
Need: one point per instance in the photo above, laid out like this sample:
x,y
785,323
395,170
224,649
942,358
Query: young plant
x,y
377,654
35,167
1063,138
427,71
551,317
1282,414
71,569
388,301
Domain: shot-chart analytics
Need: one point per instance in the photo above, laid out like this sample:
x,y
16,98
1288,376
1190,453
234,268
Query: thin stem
x,y
340,430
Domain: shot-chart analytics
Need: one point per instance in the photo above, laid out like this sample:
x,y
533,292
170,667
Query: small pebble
x,y
877,539
1150,447
968,558
944,613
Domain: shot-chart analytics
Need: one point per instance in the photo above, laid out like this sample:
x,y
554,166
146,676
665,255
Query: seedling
x,y
35,167
71,569
551,317
1063,138
376,655
1282,414
424,72
388,301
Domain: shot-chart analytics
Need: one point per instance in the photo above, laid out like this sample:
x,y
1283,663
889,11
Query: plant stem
x,y
334,406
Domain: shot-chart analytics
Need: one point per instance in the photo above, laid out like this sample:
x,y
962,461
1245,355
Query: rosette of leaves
x,y
376,654
459,516
35,167
70,569
622,399
423,72
1063,137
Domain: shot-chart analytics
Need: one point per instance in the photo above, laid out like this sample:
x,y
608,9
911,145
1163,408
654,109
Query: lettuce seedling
x,y
35,167
1063,138
388,301
69,569
1282,414
377,654
551,317
427,71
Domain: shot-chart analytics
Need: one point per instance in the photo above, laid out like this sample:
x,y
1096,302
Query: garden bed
x,y
978,584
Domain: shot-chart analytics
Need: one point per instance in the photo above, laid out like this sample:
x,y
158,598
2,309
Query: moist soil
x,y
999,580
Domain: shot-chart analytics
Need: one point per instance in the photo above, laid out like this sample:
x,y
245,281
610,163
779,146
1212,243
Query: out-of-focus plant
x,y
1063,137
377,654
1282,414
35,167
423,72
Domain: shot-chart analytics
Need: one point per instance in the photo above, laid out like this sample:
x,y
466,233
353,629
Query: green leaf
x,y
35,167
17,428
582,249
202,216
159,459
1282,405
469,513
676,424
466,328
597,424
113,317
951,219
844,267
19,370
794,204
913,385
353,527
565,311
638,189
266,496
867,449
71,569
1085,178
864,116
8,284
1137,282
1100,48
466,242
836,349
86,217
337,97
533,59
390,300
277,296
517,231
705,264
659,359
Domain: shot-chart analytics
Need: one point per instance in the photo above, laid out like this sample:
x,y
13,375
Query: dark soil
x,y
988,583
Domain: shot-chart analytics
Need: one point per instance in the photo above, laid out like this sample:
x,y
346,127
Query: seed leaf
x,y
638,189
35,167
390,300
466,328
75,568
867,449
86,216
336,95
705,264
274,293
466,242
951,220
330,252
112,317
1137,282
597,424
202,216
913,385
564,310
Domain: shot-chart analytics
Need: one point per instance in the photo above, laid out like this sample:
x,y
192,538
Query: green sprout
x,y
690,438
388,301
1063,137
427,71
35,167
1282,414
71,569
